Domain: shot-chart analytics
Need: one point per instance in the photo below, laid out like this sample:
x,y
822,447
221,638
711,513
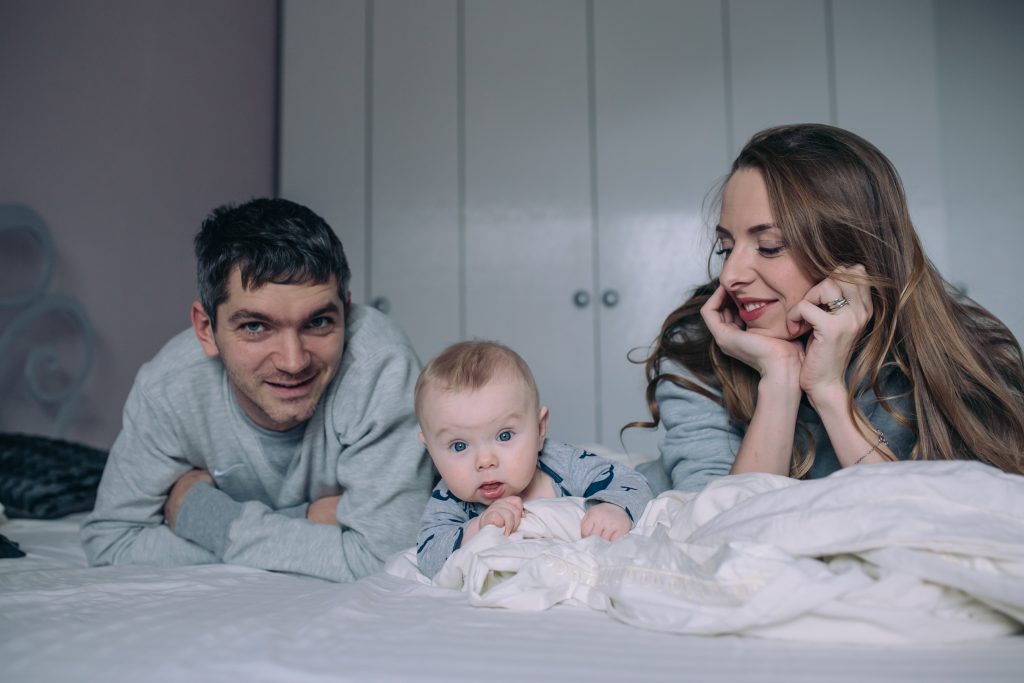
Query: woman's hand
x,y
771,357
829,348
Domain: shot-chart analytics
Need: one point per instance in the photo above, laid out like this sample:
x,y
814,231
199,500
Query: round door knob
x,y
382,304
610,298
581,299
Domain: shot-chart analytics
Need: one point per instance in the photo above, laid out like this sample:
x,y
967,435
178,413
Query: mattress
x,y
61,620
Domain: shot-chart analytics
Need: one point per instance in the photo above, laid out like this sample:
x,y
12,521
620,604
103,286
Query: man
x,y
279,431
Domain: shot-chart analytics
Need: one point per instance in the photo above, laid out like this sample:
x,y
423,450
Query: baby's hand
x,y
607,520
505,513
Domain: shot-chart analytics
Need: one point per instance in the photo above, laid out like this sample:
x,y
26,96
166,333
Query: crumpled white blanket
x,y
885,553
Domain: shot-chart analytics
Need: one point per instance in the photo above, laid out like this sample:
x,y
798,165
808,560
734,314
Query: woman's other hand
x,y
834,333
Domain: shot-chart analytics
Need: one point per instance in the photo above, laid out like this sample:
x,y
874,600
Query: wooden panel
x,y
779,64
323,119
528,223
661,146
415,240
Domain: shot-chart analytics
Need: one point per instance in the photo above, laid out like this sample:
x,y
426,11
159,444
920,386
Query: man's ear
x,y
203,327
542,419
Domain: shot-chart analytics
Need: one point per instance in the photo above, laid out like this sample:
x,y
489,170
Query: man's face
x,y
280,345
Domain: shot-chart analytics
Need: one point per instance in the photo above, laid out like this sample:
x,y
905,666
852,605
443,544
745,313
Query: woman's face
x,y
759,272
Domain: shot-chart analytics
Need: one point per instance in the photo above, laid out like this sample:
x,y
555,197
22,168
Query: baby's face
x,y
485,442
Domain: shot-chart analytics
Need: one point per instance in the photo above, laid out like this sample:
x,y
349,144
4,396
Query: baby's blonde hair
x,y
470,365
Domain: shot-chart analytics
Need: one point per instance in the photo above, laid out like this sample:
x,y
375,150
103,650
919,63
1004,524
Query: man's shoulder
x,y
367,330
378,369
180,360
374,341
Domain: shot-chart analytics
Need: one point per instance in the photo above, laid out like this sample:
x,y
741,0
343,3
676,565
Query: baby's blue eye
x,y
505,436
459,446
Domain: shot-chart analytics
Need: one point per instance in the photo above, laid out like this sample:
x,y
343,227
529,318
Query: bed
x,y
61,620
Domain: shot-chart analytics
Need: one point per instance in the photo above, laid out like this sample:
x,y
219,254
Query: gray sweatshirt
x,y
701,442
361,442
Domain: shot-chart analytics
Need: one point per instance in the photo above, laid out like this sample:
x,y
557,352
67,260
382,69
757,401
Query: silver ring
x,y
836,304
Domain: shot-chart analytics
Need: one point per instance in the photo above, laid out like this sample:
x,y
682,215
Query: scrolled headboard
x,y
47,381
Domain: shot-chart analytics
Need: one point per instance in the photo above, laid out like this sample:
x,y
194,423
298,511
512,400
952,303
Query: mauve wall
x,y
122,123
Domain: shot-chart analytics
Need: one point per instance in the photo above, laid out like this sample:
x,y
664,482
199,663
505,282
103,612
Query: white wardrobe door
x,y
414,188
887,91
323,154
529,228
779,65
661,141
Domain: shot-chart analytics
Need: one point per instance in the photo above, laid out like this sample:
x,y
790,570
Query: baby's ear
x,y
542,420
423,439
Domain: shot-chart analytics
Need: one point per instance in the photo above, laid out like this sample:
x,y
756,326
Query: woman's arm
x,y
700,442
828,354
768,442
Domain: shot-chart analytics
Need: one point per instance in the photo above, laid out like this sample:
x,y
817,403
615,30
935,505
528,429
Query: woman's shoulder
x,y
676,380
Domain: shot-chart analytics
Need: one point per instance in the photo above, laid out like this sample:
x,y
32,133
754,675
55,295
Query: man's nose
x,y
292,356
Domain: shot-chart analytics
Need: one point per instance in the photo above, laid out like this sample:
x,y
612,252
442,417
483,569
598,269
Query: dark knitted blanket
x,y
45,478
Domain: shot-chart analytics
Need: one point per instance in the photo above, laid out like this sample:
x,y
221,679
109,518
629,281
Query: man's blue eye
x,y
459,446
319,322
253,328
505,436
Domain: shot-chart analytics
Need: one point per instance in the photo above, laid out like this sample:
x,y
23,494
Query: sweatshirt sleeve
x,y
600,480
126,525
441,530
383,472
700,443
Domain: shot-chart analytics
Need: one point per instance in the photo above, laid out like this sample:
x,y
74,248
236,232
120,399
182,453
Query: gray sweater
x,y
701,442
361,442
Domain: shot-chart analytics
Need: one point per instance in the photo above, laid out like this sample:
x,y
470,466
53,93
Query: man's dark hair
x,y
270,240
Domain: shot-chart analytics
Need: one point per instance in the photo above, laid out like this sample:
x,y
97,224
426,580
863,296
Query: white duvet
x,y
887,553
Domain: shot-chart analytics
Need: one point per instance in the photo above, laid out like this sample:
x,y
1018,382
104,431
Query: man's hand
x,y
181,487
323,510
607,520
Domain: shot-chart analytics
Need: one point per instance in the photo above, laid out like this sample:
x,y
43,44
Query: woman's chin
x,y
774,333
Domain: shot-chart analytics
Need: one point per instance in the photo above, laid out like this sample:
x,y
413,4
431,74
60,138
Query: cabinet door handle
x,y
610,298
581,299
382,304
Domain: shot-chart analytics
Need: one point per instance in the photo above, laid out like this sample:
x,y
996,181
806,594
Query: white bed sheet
x,y
904,551
62,621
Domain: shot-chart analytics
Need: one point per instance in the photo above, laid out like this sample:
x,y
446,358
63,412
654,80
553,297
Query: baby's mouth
x,y
492,490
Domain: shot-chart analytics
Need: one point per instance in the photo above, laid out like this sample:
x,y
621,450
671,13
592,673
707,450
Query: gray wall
x,y
981,106
122,123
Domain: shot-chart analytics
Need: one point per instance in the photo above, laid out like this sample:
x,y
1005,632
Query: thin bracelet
x,y
874,449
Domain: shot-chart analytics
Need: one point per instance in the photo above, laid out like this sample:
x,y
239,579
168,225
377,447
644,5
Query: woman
x,y
828,340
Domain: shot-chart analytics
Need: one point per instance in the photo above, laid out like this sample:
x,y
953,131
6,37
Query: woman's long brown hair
x,y
839,202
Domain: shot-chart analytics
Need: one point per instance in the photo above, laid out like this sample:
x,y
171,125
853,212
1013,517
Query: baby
x,y
484,427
